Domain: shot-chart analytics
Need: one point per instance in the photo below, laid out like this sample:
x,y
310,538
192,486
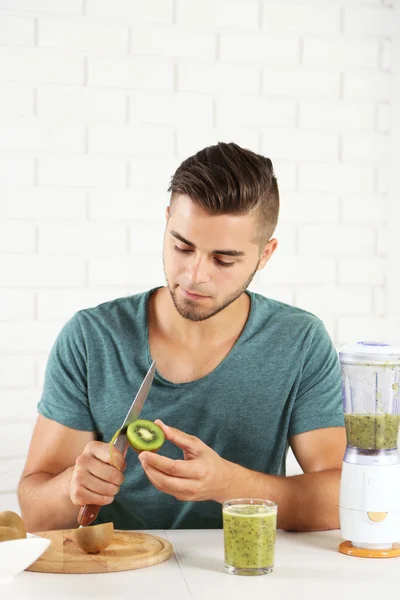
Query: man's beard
x,y
189,310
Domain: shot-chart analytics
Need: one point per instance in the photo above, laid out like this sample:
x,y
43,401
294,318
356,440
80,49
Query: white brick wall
x,y
100,100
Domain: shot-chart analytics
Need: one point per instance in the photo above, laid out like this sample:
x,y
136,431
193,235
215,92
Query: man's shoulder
x,y
269,309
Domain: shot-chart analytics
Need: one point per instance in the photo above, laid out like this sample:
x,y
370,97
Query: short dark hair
x,y
228,179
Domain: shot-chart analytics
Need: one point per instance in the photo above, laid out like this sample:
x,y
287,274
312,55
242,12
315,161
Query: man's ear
x,y
167,213
267,252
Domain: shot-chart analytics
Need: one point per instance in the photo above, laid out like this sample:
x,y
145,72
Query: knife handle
x,y
87,514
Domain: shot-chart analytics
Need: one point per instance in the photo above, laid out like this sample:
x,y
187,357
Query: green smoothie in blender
x,y
372,431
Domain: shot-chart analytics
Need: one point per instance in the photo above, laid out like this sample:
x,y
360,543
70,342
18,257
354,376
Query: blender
x,y
369,504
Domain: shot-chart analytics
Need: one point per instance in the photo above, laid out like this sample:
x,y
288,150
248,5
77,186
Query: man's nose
x,y
198,270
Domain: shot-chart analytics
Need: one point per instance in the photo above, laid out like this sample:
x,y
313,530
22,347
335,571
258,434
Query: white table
x,y
307,565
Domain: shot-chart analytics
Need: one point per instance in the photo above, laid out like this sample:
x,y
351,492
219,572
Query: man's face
x,y
209,260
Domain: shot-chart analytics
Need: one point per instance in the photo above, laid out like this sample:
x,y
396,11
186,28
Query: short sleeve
x,y
318,402
65,398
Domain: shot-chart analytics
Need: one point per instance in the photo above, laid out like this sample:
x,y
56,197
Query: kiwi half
x,y
145,435
8,533
11,519
94,539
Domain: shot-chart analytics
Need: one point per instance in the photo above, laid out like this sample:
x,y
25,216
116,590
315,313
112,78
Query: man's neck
x,y
220,328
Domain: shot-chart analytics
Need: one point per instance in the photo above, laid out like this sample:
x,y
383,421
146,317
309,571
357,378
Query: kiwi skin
x,y
94,539
10,519
8,533
139,446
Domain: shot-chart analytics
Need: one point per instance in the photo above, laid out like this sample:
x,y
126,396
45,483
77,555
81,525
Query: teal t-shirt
x,y
281,378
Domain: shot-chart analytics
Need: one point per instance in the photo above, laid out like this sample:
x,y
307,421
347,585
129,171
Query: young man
x,y
239,377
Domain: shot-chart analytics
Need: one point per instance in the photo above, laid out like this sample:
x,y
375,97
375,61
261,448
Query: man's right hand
x,y
96,477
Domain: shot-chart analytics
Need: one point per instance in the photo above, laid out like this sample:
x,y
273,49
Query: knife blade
x,y
89,512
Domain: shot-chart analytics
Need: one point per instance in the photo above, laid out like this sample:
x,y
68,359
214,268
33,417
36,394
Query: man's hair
x,y
227,179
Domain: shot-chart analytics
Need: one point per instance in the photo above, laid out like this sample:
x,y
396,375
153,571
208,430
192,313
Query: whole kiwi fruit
x,y
95,538
11,519
8,533
145,435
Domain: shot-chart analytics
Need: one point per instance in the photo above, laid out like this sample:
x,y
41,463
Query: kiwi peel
x,y
94,539
11,520
8,533
145,435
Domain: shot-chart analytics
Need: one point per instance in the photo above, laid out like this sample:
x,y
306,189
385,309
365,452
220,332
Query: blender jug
x,y
369,502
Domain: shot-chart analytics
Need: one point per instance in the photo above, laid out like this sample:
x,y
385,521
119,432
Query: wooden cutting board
x,y
128,550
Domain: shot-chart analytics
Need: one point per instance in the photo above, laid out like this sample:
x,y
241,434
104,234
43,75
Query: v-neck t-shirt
x,y
280,379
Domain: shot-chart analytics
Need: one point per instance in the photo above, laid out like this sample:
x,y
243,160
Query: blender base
x,y
347,547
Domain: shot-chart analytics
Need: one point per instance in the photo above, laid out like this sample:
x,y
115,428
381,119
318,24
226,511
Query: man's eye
x,y
183,250
221,263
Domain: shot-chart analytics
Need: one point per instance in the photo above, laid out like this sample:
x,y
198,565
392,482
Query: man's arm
x,y
307,502
64,470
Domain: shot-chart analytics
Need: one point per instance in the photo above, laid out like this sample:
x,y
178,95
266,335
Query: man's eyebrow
x,y
176,235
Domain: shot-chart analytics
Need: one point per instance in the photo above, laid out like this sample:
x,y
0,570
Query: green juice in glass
x,y
249,537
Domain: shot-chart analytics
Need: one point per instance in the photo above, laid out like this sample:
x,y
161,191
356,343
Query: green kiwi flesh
x,y
145,435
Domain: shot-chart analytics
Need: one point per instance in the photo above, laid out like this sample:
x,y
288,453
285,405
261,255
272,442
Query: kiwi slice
x,y
11,519
94,539
145,435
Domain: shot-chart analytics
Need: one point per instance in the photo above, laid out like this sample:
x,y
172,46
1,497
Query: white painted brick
x,y
133,72
26,338
363,209
260,48
16,305
341,52
286,174
31,134
82,171
298,269
17,404
344,115
383,180
17,237
287,239
239,14
82,238
383,124
126,270
371,85
20,64
218,78
337,300
178,109
37,271
380,301
353,329
81,103
16,31
65,7
147,237
335,239
254,111
9,502
16,99
152,174
16,169
359,147
356,179
365,20
63,304
191,140
173,42
82,34
10,473
39,203
14,441
278,18
382,241
300,145
301,83
128,206
368,270
150,11
131,140
386,58
309,208
17,371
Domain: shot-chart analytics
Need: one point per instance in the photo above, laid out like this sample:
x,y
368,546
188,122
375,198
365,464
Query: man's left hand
x,y
201,475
